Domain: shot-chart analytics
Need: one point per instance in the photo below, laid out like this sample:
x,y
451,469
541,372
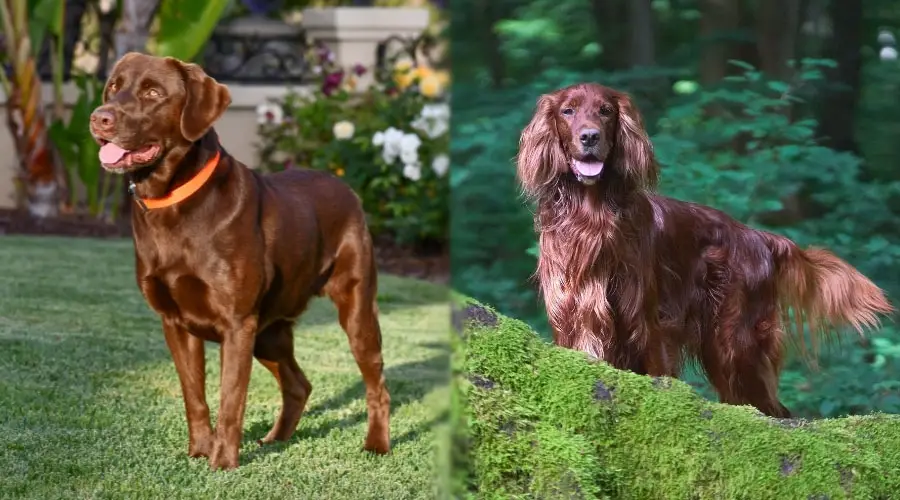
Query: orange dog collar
x,y
183,191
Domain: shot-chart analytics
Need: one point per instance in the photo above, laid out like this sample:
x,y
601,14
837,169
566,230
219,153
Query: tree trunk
x,y
776,36
486,13
719,17
610,16
837,116
643,43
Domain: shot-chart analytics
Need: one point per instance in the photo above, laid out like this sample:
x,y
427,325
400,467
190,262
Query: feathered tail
x,y
823,291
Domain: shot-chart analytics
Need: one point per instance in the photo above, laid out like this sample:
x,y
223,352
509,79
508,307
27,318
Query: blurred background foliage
x,y
783,113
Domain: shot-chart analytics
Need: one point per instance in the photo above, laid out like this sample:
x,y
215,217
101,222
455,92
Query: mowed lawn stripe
x,y
90,405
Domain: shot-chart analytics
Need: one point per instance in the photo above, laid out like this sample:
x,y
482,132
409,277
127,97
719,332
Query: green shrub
x,y
390,143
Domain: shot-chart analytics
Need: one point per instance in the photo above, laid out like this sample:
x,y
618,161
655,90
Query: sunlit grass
x,y
90,405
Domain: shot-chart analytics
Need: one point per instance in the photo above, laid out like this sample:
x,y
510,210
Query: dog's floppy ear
x,y
115,71
205,100
635,152
541,157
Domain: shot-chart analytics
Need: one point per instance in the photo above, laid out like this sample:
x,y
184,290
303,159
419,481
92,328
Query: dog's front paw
x,y
223,456
201,447
379,444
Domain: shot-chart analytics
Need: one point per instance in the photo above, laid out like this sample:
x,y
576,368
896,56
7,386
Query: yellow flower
x,y
403,65
404,79
431,86
339,172
424,72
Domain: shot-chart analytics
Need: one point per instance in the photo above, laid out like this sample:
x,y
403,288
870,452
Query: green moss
x,y
538,421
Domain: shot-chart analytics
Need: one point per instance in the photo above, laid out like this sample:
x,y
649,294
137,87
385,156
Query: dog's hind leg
x,y
353,289
743,361
274,349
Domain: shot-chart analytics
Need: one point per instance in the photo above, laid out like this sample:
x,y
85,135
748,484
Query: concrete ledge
x,y
402,19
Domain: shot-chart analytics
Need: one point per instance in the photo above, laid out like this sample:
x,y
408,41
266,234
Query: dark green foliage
x,y
746,145
555,425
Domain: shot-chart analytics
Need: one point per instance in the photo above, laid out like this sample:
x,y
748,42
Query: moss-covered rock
x,y
533,420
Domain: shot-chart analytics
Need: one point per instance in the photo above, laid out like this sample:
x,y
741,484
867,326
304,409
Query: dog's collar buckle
x,y
131,190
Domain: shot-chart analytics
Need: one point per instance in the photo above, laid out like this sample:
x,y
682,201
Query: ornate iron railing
x,y
418,49
257,50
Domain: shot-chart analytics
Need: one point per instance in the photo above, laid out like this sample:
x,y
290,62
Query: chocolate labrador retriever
x,y
225,254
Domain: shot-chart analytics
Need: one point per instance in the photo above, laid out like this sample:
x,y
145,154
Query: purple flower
x,y
332,82
359,69
324,54
261,7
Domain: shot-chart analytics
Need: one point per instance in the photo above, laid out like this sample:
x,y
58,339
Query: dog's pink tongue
x,y
588,169
110,153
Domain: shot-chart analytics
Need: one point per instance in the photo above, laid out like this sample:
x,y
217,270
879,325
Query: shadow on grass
x,y
406,384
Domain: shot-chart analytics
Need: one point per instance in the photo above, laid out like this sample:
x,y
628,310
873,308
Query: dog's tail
x,y
822,291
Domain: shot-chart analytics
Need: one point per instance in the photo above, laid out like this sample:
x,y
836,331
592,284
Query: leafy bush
x,y
389,142
78,153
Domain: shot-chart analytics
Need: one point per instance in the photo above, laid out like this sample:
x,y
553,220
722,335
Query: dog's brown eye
x,y
568,111
153,93
606,110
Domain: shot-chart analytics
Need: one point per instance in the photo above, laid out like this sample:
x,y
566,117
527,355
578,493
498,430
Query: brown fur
x,y
642,281
237,262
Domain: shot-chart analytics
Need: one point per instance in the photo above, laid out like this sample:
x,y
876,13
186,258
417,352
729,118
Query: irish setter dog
x,y
646,282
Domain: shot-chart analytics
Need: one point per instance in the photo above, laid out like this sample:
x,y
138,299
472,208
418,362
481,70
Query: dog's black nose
x,y
589,137
103,120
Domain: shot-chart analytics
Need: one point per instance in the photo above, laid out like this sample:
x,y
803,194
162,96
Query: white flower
x,y
885,37
269,113
409,156
343,130
412,171
317,70
391,140
106,6
410,142
888,54
433,120
436,110
440,164
393,136
279,156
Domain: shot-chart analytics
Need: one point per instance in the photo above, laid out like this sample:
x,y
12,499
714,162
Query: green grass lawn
x,y
90,405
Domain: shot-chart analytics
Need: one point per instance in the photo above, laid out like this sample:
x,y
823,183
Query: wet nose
x,y
589,137
103,120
